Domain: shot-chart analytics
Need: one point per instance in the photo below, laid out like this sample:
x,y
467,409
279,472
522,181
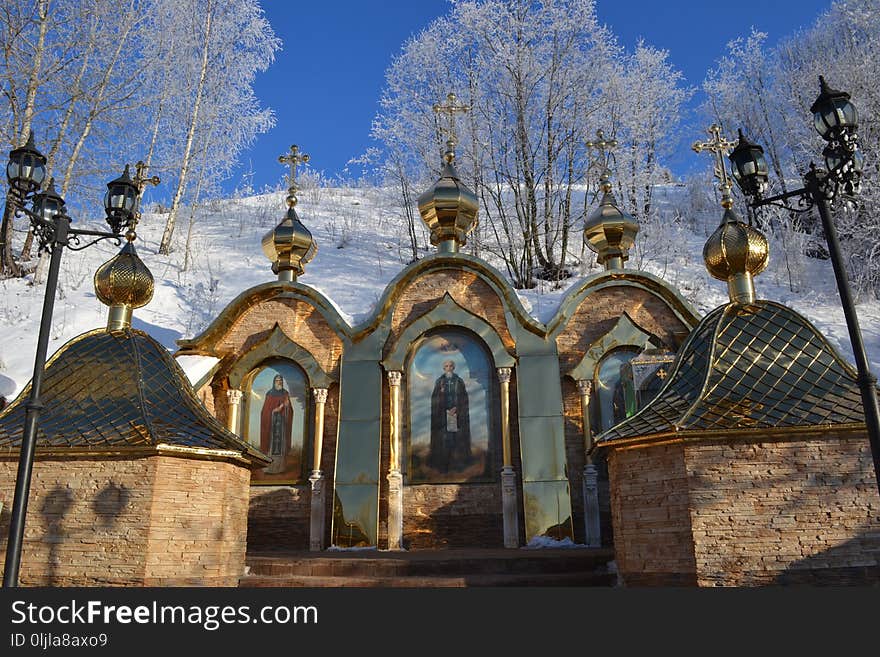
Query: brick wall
x,y
649,507
437,516
299,320
151,521
467,289
278,516
750,513
795,511
601,310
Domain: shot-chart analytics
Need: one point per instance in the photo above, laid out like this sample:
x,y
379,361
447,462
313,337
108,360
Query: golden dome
x,y
609,231
449,208
289,246
124,283
735,253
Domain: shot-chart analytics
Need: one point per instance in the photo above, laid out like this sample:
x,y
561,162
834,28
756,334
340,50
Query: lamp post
x,y
836,120
25,172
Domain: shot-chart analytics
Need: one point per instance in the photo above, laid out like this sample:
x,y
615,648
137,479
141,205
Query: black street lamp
x,y
836,120
26,171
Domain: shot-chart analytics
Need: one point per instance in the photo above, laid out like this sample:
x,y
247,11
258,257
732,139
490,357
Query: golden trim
x,y
162,449
713,435
205,343
572,301
504,374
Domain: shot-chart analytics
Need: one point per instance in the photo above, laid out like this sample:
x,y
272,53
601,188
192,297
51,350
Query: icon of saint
x,y
450,422
276,421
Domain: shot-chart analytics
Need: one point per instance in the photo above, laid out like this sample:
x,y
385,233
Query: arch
x,y
447,313
626,333
450,367
278,345
515,313
679,306
277,419
205,343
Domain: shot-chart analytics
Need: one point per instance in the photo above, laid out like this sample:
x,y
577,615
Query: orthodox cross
x,y
604,146
294,159
451,108
719,147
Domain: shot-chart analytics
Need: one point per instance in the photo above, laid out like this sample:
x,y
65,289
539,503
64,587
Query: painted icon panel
x,y
275,420
450,410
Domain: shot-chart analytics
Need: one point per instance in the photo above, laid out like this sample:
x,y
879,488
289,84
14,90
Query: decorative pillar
x,y
233,396
395,477
590,483
318,506
509,503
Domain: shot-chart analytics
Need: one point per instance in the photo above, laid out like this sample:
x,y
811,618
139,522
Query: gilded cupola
x,y
609,231
736,252
449,207
124,283
290,245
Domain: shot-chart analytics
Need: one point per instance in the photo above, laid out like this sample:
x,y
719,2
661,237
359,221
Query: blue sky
x,y
325,83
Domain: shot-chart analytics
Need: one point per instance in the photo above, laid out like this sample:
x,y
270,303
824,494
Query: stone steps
x,y
434,569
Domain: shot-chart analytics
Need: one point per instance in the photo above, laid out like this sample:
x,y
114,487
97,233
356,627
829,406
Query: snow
x,y
361,248
545,542
196,367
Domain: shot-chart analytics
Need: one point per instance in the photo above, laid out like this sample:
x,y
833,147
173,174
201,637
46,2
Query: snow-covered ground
x,y
361,247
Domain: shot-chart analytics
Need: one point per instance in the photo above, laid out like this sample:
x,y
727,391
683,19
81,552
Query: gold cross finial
x,y
604,146
451,108
719,147
294,159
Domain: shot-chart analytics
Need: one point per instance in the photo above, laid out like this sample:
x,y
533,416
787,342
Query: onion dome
x,y
123,283
289,246
121,393
609,231
749,368
449,207
736,252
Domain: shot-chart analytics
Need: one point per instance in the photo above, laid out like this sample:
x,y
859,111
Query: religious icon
x,y
450,422
451,414
276,420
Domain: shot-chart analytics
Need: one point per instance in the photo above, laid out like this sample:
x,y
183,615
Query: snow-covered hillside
x,y
361,247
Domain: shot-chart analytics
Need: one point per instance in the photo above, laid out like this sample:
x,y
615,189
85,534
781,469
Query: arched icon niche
x,y
451,400
275,420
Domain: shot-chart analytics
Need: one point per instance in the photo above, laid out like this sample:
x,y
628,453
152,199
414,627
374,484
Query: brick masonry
x,y
466,288
596,315
151,521
746,513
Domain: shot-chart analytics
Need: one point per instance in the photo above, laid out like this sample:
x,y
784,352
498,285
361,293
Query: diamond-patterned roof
x,y
115,390
752,366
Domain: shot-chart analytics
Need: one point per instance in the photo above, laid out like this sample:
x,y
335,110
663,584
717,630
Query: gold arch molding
x,y
278,345
626,333
448,313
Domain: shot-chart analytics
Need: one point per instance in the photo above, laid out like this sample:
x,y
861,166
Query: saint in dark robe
x,y
276,420
450,423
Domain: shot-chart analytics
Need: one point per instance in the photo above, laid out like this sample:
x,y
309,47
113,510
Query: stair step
x,y
437,568
536,579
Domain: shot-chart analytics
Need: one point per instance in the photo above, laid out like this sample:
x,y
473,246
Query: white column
x,y
509,504
318,506
395,477
589,485
233,399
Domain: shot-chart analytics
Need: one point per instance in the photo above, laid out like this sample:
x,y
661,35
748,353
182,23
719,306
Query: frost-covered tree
x,y
541,77
228,43
768,92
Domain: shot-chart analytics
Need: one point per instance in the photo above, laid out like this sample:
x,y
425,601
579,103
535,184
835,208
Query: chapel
x,y
450,417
